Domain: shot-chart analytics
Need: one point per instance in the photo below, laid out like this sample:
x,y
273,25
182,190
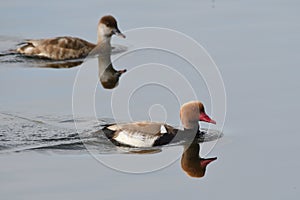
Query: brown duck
x,y
64,48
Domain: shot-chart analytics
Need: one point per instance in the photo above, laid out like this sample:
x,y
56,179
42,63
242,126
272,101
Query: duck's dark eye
x,y
107,24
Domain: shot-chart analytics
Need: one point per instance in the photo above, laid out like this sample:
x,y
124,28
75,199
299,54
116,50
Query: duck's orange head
x,y
193,112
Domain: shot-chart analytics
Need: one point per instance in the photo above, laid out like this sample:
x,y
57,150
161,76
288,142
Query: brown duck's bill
x,y
205,118
118,33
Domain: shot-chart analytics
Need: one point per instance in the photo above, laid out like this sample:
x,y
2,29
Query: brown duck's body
x,y
59,48
65,48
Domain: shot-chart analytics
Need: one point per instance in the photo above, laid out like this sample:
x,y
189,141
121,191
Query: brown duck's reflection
x,y
108,76
58,65
192,163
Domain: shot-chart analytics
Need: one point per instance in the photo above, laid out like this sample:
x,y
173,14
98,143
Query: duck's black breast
x,y
108,133
167,137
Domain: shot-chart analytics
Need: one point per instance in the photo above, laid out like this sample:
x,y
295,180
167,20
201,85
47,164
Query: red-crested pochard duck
x,y
148,134
64,48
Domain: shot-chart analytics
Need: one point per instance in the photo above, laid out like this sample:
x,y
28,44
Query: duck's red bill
x,y
205,118
205,162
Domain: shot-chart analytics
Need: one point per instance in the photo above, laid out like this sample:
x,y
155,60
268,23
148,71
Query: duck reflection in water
x,y
192,163
108,75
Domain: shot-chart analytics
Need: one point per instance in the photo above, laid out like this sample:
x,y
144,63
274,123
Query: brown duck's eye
x,y
107,24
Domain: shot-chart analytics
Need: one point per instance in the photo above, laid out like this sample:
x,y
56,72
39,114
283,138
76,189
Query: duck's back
x,y
59,48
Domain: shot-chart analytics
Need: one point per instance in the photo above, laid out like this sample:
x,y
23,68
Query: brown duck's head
x,y
193,112
108,26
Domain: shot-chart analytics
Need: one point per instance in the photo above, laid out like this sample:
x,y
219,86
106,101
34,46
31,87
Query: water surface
x,y
255,46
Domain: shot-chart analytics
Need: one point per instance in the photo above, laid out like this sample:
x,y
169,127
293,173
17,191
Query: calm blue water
x,y
254,45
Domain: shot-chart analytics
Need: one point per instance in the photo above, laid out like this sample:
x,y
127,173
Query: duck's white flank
x,y
135,139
